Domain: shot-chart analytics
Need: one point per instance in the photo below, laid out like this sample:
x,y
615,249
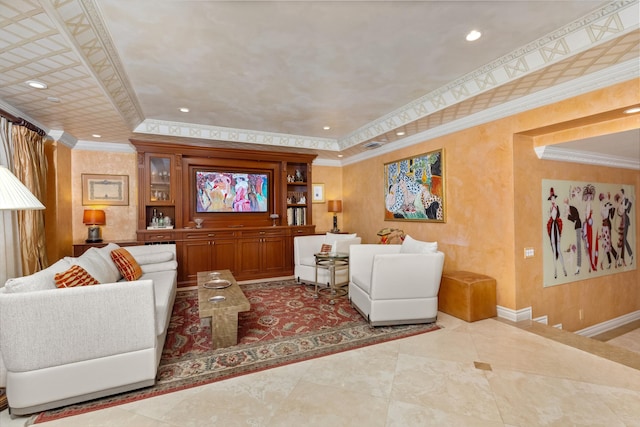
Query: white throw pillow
x,y
332,237
98,267
153,258
413,246
39,281
105,253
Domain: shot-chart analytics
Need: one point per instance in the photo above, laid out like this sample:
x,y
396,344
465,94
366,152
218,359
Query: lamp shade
x,y
93,217
14,195
334,206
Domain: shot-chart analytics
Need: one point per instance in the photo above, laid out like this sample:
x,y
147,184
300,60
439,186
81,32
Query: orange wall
x,y
493,188
331,177
121,220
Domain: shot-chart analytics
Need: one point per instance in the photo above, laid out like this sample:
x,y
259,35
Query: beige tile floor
x,y
487,373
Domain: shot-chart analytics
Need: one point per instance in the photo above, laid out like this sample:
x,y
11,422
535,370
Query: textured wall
x,y
121,220
493,208
331,177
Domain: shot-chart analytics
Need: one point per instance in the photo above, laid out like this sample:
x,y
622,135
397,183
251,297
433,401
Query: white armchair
x,y
304,248
389,287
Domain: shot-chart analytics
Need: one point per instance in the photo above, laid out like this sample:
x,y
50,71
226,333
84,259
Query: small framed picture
x,y
105,190
318,193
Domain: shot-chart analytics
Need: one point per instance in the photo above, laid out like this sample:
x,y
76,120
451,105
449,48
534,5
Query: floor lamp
x,y
14,196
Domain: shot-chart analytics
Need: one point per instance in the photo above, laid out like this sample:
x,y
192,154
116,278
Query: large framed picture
x,y
415,188
105,190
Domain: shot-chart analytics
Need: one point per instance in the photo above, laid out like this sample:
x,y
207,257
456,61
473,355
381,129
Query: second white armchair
x,y
390,285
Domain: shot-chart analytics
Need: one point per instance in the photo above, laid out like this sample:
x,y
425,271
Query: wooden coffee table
x,y
222,314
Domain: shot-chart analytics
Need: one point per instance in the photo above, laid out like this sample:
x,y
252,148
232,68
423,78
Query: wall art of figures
x,y
414,188
589,230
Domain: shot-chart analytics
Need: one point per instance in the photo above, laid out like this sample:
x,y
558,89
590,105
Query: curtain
x,y
10,265
30,166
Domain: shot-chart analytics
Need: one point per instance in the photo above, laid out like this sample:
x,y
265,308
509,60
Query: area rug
x,y
286,324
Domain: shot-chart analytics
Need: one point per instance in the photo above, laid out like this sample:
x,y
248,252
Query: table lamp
x,y
94,219
14,196
335,206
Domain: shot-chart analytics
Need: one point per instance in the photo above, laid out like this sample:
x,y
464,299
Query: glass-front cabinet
x,y
160,180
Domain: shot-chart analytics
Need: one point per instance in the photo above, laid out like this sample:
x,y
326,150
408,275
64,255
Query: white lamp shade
x,y
14,195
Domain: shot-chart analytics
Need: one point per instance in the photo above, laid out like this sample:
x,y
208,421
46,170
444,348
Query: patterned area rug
x,y
286,324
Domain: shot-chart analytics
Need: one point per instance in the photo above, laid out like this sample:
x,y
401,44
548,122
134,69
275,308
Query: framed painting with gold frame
x,y
110,190
414,188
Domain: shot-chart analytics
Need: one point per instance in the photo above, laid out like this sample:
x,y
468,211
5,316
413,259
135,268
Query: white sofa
x,y
62,346
304,249
391,285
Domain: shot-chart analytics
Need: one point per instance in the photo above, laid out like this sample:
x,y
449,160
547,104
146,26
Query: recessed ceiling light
x,y
632,110
96,135
184,109
400,133
326,127
36,84
53,99
341,155
473,35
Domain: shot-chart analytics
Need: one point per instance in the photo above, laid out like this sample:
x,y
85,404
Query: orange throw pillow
x,y
73,277
128,266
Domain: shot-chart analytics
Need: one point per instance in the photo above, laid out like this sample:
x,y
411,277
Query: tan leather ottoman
x,y
467,296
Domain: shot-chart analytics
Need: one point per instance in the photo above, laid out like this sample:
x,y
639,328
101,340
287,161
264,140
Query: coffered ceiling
x,y
273,74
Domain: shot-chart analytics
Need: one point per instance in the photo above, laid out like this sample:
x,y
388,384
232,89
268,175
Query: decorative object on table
x,y
391,236
414,188
105,190
198,222
94,219
14,195
334,206
318,193
274,217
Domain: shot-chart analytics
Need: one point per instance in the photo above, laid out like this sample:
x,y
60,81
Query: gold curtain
x,y
30,167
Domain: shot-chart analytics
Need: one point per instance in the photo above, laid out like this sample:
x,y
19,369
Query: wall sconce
x,y
335,206
14,196
94,218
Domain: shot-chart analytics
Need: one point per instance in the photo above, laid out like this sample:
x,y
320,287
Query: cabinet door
x,y
223,255
273,254
160,188
196,256
249,256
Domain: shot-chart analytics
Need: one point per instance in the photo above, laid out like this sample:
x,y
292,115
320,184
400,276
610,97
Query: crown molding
x,y
598,80
549,152
219,133
63,137
112,147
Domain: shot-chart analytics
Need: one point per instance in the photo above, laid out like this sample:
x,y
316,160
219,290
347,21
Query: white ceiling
x,y
271,74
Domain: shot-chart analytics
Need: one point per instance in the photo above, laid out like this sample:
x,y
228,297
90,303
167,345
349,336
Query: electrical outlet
x,y
528,252
581,314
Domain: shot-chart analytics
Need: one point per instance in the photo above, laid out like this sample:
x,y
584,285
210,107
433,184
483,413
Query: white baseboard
x,y
609,324
558,326
514,315
542,319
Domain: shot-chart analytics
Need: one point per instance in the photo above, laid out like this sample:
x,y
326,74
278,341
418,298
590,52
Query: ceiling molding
x,y
189,130
598,80
549,152
608,23
111,147
63,137
79,21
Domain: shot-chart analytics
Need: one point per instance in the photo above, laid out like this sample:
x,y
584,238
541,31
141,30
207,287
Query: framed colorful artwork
x,y
414,188
105,190
588,230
